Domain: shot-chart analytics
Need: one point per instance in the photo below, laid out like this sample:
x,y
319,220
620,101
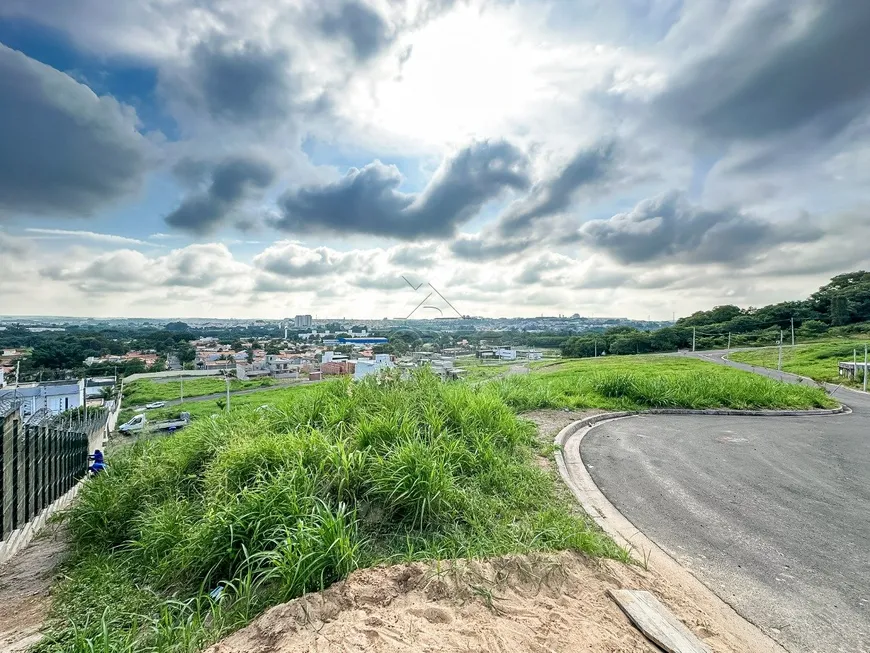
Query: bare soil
x,y
545,603
24,588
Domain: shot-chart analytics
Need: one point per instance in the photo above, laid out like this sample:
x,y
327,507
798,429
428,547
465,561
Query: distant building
x,y
506,354
302,321
56,396
534,355
363,341
2,382
94,386
365,367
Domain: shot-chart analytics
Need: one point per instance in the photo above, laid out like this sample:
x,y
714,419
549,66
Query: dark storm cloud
x,y
368,201
767,81
554,195
232,180
241,83
63,150
361,26
669,227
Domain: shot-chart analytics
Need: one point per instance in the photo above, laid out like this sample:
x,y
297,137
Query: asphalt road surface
x,y
771,513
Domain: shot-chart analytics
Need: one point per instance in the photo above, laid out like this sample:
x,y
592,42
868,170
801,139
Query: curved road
x,y
771,513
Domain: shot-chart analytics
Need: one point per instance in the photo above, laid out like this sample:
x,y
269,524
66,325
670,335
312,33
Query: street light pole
x,y
779,364
792,331
729,341
181,378
693,338
227,377
865,368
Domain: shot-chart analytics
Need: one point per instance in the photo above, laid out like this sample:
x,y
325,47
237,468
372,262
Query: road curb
x,y
614,523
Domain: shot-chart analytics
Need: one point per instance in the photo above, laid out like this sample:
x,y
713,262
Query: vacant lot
x,y
145,391
259,506
640,382
817,360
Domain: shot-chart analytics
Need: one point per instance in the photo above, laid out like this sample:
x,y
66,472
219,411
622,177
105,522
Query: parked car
x,y
155,404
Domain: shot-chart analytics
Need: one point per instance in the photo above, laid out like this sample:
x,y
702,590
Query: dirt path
x,y
24,589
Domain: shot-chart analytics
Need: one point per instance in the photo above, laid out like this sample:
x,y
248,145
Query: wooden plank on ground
x,y
656,622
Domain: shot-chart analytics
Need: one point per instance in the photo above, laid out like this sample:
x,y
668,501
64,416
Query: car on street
x,y
155,404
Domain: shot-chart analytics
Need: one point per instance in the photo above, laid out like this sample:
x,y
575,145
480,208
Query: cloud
x,y
669,227
488,247
554,195
234,82
13,246
126,270
368,201
232,180
292,260
63,150
787,65
360,25
88,235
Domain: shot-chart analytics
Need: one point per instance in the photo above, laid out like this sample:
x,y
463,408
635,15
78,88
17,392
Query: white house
x,y
364,367
2,382
506,354
535,356
56,396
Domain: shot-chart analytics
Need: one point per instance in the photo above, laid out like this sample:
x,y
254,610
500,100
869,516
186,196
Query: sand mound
x,y
538,603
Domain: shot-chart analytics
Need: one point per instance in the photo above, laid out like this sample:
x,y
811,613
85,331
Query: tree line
x,y
840,307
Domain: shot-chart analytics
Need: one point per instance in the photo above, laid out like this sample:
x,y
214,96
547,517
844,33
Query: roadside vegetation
x,y
638,383
143,391
188,537
818,361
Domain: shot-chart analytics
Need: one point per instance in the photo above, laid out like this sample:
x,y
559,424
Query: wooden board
x,y
656,622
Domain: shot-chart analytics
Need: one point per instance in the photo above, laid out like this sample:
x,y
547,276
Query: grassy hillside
x,y
259,506
143,391
817,360
270,504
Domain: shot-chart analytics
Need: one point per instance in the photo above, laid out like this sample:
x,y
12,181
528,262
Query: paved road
x,y
773,514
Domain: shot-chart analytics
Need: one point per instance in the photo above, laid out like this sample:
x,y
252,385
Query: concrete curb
x,y
598,507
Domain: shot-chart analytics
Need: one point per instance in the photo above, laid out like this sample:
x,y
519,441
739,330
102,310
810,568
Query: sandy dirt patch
x,y
24,588
549,603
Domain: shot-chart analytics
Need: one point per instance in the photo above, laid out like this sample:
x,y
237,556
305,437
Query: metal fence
x,y
41,459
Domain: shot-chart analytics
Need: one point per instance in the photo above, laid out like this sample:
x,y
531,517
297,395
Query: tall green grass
x,y
190,536
653,382
818,360
143,391
267,505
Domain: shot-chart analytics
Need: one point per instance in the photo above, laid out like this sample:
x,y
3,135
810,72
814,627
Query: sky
x,y
264,158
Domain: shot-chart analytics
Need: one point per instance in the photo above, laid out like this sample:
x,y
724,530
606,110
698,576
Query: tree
x,y
177,326
812,328
158,366
839,310
250,353
186,353
236,345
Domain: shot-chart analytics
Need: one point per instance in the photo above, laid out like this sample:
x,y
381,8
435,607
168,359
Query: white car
x,y
155,404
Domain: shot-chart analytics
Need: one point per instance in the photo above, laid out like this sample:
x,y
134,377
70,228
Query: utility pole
x,y
693,338
729,341
792,331
779,365
227,377
865,368
596,348
181,378
855,365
